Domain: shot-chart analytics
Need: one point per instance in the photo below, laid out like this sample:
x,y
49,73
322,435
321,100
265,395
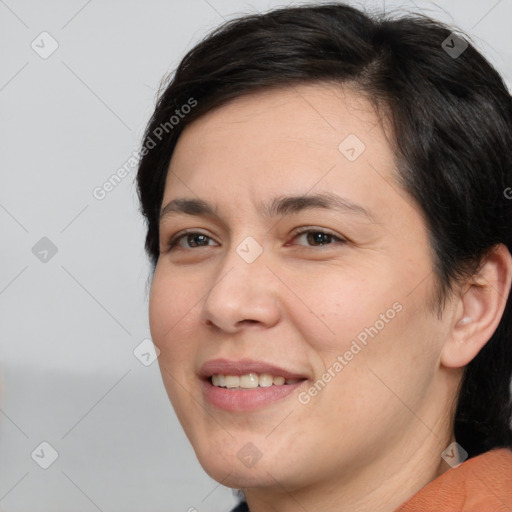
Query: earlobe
x,y
480,306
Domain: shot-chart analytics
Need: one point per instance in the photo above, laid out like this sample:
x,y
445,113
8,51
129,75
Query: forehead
x,y
318,136
315,114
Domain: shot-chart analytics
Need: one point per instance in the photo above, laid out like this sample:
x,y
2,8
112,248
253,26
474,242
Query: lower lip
x,y
247,399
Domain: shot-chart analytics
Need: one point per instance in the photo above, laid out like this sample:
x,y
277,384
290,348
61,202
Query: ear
x,y
479,308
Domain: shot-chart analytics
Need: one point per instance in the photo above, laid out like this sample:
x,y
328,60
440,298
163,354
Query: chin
x,y
235,462
237,476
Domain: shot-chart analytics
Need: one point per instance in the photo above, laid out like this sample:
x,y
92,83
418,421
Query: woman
x,y
330,229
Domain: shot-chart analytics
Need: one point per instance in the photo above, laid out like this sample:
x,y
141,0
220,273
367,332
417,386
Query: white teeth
x,y
250,381
266,380
232,381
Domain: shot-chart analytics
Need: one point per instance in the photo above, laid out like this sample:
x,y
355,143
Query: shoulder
x,y
482,483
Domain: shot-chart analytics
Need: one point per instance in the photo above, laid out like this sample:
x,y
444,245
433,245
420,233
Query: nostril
x,y
241,322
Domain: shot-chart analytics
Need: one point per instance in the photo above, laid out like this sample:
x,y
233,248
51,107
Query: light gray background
x,y
69,326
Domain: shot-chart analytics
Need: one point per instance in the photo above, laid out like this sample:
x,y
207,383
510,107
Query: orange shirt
x,y
480,484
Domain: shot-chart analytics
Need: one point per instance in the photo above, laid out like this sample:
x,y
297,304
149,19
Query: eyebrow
x,y
279,206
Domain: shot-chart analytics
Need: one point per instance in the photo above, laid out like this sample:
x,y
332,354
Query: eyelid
x,y
316,229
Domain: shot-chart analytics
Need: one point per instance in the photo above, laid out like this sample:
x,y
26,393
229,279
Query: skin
x,y
374,435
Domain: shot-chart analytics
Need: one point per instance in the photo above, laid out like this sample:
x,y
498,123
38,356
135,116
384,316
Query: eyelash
x,y
176,238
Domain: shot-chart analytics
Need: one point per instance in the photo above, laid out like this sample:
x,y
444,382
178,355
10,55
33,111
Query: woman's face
x,y
342,307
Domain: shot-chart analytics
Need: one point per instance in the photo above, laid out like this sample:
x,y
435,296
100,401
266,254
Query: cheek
x,y
171,314
343,303
363,326
389,362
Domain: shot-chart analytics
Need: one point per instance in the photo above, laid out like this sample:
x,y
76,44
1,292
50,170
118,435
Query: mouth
x,y
246,384
250,381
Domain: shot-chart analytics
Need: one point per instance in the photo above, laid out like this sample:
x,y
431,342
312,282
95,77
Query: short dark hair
x,y
451,119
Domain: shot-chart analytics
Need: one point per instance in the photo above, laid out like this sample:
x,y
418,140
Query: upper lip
x,y
243,367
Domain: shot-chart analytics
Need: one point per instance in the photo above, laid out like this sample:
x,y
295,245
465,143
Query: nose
x,y
242,294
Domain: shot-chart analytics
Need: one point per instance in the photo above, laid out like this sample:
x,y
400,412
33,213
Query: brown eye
x,y
192,239
318,238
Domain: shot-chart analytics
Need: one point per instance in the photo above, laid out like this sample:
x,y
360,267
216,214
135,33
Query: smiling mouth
x,y
250,381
